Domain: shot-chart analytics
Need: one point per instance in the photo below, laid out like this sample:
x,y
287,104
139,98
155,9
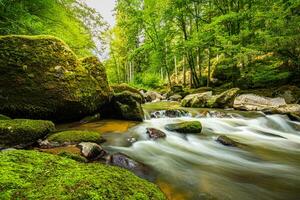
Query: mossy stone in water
x,y
23,131
185,127
48,80
3,117
74,136
35,175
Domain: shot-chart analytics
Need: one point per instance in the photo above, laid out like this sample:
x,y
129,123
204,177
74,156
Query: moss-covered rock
x,y
124,106
74,136
22,131
35,175
223,100
196,100
48,80
185,127
118,88
4,117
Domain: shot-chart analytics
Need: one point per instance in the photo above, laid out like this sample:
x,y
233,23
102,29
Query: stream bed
x,y
266,166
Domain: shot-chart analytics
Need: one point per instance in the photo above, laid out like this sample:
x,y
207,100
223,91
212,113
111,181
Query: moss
x,y
76,137
127,107
124,87
48,79
35,175
185,127
223,100
3,117
73,156
22,131
162,105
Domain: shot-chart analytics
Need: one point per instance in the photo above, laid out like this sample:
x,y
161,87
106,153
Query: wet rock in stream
x,y
124,161
92,151
226,141
172,113
185,127
155,133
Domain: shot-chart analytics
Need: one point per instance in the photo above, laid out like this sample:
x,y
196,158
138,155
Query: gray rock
x,y
155,133
175,97
91,151
252,102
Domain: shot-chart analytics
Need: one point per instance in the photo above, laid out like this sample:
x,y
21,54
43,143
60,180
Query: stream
x,y
193,167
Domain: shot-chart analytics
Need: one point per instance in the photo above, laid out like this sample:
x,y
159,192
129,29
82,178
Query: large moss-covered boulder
x,y
41,78
127,107
23,132
223,100
118,88
35,175
185,127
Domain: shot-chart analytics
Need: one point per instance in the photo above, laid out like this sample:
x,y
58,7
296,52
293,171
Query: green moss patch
x,y
35,175
76,137
23,131
124,87
185,127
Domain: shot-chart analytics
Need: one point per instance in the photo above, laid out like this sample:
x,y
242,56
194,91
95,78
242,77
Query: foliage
x,y
62,18
202,35
34,175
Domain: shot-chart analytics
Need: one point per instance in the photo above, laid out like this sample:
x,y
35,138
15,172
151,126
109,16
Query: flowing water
x,y
266,166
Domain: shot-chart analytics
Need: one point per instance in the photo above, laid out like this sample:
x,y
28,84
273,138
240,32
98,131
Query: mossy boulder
x,y
196,100
124,106
4,117
35,175
223,100
185,127
76,136
48,80
23,131
118,88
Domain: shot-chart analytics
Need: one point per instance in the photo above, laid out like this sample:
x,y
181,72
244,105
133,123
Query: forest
x,y
174,99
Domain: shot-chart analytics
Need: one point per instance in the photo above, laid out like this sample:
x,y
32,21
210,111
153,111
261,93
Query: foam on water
x,y
266,166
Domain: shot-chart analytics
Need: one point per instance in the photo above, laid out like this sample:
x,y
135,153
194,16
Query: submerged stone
x,y
185,127
226,141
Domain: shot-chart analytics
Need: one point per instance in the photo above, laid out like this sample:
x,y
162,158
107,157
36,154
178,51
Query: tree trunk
x,y
208,74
